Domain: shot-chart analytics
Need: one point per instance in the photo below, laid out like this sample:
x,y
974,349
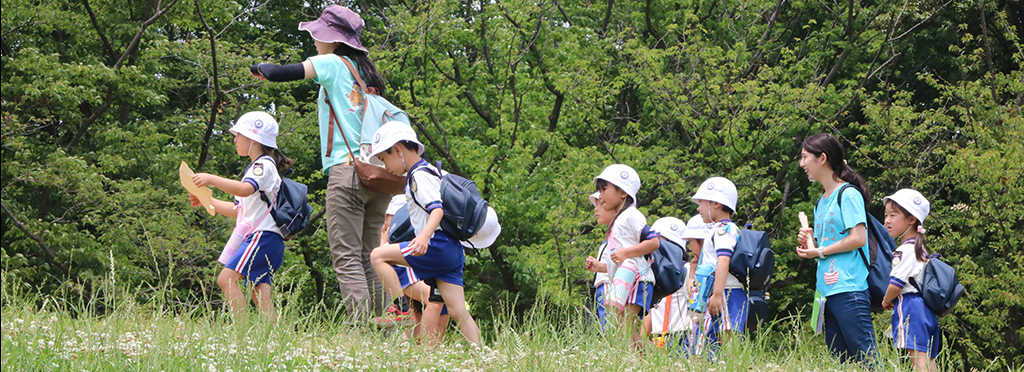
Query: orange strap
x,y
668,310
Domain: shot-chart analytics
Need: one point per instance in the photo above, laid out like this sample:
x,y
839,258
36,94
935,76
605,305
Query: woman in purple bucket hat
x,y
354,213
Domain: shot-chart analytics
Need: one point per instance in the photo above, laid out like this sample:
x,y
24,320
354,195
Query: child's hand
x,y
887,304
384,234
193,200
594,265
618,256
202,179
715,303
419,245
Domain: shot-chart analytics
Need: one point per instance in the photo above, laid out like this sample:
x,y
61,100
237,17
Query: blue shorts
x,y
643,295
444,260
914,326
405,275
735,316
258,257
599,302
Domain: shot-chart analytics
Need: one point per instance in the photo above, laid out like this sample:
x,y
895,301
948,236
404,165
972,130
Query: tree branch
x,y
138,35
103,37
24,229
217,95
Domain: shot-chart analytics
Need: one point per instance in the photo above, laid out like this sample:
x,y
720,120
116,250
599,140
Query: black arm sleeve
x,y
274,72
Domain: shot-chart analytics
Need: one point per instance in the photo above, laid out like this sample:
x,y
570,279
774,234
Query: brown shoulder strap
x,y
330,126
355,74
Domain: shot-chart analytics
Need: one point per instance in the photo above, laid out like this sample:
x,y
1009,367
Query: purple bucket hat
x,y
337,24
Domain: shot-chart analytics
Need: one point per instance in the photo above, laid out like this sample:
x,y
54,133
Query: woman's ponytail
x,y
824,143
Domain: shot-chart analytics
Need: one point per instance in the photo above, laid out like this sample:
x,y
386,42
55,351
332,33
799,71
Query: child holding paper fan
x,y
255,249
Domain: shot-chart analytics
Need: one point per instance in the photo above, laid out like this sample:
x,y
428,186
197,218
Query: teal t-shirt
x,y
334,76
842,272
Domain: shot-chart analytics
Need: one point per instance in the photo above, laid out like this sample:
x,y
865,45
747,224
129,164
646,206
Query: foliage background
x,y
101,99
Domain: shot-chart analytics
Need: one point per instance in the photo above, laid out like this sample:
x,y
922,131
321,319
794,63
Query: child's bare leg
x,y
261,296
629,320
381,259
434,323
227,280
455,298
922,361
418,292
648,326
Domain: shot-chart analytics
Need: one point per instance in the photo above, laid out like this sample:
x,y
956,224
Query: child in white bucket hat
x,y
255,249
915,327
433,255
629,240
727,306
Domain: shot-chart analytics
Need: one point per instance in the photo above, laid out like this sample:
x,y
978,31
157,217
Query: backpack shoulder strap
x,y
867,226
408,181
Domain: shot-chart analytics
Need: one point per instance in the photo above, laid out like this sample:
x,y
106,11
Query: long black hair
x,y
365,66
824,143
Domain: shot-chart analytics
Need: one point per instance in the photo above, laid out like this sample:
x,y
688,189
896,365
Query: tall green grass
x,y
46,332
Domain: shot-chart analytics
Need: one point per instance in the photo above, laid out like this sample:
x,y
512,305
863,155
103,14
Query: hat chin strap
x,y
900,238
401,153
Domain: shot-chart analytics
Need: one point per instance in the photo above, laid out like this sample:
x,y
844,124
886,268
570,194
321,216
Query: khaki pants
x,y
354,218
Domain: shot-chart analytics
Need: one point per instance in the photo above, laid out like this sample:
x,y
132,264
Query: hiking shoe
x,y
392,316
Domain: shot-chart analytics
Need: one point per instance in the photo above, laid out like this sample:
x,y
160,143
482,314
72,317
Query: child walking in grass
x,y
602,280
256,248
433,255
430,321
629,240
915,328
727,306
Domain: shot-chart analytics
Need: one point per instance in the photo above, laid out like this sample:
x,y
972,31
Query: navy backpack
x,y
667,265
464,209
939,287
291,210
880,247
401,228
753,261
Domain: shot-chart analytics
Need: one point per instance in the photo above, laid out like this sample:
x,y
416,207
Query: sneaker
x,y
392,316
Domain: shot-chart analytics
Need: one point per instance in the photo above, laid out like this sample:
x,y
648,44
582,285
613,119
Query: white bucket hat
x,y
623,176
912,201
719,190
258,126
391,133
696,228
671,228
488,232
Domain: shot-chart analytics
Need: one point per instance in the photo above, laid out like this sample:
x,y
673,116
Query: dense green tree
x,y
101,99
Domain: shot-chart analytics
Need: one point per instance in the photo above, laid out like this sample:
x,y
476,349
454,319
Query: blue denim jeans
x,y
848,330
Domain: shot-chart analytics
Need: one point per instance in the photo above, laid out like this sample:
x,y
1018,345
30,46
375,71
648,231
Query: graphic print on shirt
x,y
355,98
831,276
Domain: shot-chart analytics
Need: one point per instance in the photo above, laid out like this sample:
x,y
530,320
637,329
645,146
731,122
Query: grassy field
x,y
40,333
